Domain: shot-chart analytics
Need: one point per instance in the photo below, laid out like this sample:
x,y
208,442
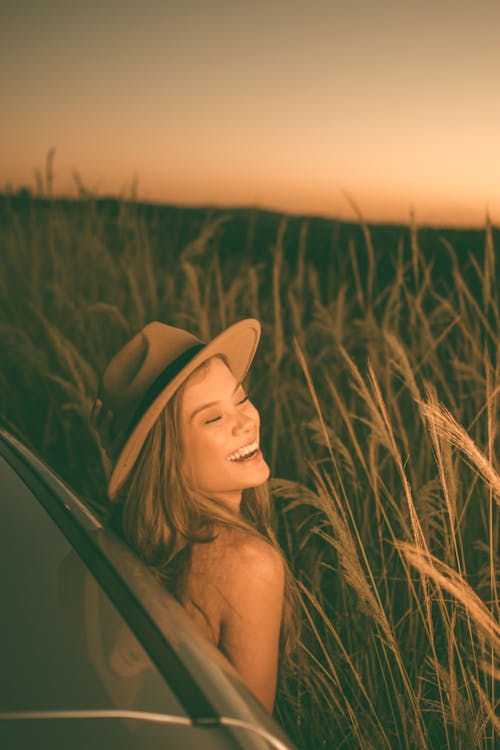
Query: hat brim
x,y
238,344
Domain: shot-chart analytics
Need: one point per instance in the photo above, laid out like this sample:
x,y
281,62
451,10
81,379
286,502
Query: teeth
x,y
244,451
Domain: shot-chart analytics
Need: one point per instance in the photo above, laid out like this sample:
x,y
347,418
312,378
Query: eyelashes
x,y
217,418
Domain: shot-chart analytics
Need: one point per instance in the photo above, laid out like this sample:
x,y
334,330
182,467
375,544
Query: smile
x,y
245,452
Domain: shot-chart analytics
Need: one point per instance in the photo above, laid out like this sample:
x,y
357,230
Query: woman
x,y
190,485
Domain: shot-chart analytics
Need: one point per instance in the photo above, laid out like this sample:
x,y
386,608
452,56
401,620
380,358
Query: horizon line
x,y
24,191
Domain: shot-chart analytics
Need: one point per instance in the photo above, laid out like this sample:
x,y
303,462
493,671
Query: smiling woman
x,y
190,493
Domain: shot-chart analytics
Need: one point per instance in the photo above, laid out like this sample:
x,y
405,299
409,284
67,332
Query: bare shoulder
x,y
258,556
237,560
242,551
249,571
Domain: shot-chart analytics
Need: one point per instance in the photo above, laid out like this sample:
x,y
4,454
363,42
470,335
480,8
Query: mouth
x,y
255,455
245,453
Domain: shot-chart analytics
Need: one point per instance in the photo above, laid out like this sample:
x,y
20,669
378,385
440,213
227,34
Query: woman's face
x,y
221,434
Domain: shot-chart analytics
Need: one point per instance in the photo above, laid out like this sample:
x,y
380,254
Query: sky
x,y
292,105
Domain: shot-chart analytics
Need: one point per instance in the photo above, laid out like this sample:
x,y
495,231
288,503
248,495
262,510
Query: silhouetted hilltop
x,y
250,234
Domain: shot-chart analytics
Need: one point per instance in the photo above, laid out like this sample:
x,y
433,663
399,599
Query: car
x,y
94,652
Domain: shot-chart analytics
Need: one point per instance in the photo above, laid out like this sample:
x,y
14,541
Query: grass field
x,y
378,382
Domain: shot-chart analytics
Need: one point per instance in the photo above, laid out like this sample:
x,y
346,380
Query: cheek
x,y
205,447
207,461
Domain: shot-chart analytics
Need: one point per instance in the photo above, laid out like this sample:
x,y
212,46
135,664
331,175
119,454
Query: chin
x,y
261,476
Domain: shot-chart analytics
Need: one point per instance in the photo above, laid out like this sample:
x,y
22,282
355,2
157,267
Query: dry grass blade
x,y
487,706
279,337
136,296
401,363
445,425
381,409
312,391
490,669
489,264
111,313
357,278
355,577
219,286
415,249
369,246
300,274
252,284
70,359
449,580
446,475
199,245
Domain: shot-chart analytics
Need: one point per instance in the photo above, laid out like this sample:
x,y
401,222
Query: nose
x,y
242,423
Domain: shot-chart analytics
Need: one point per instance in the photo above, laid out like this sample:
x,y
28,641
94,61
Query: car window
x,y
63,645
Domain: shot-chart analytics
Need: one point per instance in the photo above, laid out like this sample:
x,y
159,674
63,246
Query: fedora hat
x,y
142,377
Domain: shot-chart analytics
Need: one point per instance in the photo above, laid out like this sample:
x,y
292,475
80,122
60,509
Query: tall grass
x,y
378,390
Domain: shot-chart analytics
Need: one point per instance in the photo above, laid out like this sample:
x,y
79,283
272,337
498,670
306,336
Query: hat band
x,y
161,382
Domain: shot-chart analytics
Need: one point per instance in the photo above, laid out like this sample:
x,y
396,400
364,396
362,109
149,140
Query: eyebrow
x,y
212,403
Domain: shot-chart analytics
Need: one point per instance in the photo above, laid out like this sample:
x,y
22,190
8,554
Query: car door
x,y
73,674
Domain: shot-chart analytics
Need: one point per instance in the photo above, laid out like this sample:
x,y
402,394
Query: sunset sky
x,y
284,104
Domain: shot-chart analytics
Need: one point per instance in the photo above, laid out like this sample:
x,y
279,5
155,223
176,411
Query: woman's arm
x,y
252,596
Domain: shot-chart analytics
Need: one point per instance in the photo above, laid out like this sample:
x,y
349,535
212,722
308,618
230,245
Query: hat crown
x,y
136,366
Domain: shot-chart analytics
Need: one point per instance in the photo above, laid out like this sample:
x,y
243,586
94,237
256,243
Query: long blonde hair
x,y
162,514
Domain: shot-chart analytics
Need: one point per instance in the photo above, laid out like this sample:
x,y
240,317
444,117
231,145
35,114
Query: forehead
x,y
213,382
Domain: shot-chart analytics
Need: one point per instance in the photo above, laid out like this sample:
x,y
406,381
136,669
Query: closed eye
x,y
218,417
214,419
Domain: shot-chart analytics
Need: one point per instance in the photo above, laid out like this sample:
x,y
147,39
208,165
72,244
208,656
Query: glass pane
x,y
63,645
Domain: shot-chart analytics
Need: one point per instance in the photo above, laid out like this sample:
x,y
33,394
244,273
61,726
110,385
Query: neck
x,y
231,499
